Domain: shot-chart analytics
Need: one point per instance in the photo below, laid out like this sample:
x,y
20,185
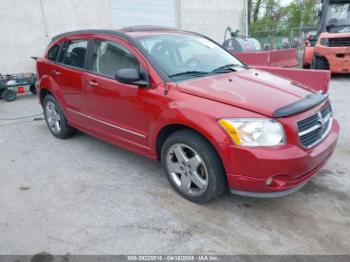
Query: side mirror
x,y
130,76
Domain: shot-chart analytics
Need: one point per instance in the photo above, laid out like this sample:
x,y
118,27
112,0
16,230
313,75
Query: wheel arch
x,y
170,129
321,56
47,85
43,93
318,55
165,132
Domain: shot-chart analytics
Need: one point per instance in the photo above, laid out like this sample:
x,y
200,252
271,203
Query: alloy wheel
x,y
187,169
53,117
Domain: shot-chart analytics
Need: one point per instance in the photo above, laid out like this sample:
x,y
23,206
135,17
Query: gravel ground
x,y
84,196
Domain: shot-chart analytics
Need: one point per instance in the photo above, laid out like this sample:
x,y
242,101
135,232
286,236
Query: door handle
x,y
92,83
56,72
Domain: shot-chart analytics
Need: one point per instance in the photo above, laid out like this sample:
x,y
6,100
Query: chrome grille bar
x,y
313,129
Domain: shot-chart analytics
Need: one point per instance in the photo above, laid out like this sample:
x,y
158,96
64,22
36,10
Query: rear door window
x,y
74,53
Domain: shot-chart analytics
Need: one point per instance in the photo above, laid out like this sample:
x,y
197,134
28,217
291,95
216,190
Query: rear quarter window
x,y
73,53
53,52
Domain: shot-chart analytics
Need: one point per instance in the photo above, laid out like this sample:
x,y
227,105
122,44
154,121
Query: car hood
x,y
251,89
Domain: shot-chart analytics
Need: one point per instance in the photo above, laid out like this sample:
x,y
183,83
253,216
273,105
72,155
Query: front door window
x,y
110,57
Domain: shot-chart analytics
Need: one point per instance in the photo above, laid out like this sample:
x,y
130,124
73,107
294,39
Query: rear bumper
x,y
290,167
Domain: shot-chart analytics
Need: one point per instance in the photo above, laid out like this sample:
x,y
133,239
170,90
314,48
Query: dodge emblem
x,y
321,120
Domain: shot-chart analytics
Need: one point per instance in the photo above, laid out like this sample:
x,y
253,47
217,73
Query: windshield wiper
x,y
221,69
190,73
226,68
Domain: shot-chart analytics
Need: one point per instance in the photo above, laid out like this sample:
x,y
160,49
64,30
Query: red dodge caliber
x,y
179,97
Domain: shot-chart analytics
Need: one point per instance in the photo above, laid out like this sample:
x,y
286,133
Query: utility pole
x,y
301,34
44,21
246,19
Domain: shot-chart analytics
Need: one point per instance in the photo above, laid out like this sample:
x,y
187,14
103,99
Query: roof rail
x,y
141,28
121,32
90,31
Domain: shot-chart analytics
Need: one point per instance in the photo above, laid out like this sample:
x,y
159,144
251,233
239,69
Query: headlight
x,y
324,41
254,132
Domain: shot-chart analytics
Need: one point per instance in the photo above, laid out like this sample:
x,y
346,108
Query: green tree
x,y
301,13
269,15
254,7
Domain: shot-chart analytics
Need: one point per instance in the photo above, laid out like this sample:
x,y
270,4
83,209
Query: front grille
x,y
338,42
316,127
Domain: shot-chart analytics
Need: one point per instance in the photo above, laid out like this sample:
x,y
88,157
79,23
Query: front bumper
x,y
290,166
337,57
269,194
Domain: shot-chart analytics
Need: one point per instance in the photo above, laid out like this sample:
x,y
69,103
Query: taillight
x,y
21,90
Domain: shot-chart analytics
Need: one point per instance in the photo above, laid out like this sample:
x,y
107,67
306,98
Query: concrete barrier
x,y
283,58
278,58
254,59
317,80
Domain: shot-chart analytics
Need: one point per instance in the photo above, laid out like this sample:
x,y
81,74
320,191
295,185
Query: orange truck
x,y
331,50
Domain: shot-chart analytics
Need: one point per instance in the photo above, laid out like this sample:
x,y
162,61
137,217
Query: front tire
x,y
55,118
192,166
319,63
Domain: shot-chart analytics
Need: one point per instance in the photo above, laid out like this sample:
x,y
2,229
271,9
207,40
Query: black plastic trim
x,y
303,105
89,55
61,45
268,194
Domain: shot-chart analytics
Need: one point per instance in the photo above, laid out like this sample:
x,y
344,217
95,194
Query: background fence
x,y
283,39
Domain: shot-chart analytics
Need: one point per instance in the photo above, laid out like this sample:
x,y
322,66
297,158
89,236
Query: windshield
x,y
188,56
338,18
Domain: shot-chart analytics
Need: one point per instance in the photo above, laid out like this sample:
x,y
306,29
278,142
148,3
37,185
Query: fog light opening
x,y
269,181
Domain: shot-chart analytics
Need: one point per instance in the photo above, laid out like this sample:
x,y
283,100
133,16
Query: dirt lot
x,y
84,196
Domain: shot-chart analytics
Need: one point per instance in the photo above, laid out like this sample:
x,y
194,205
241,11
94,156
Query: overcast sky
x,y
286,2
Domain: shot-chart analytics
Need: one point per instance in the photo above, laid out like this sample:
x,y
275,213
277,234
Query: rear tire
x,y
2,92
55,118
193,167
9,95
32,89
